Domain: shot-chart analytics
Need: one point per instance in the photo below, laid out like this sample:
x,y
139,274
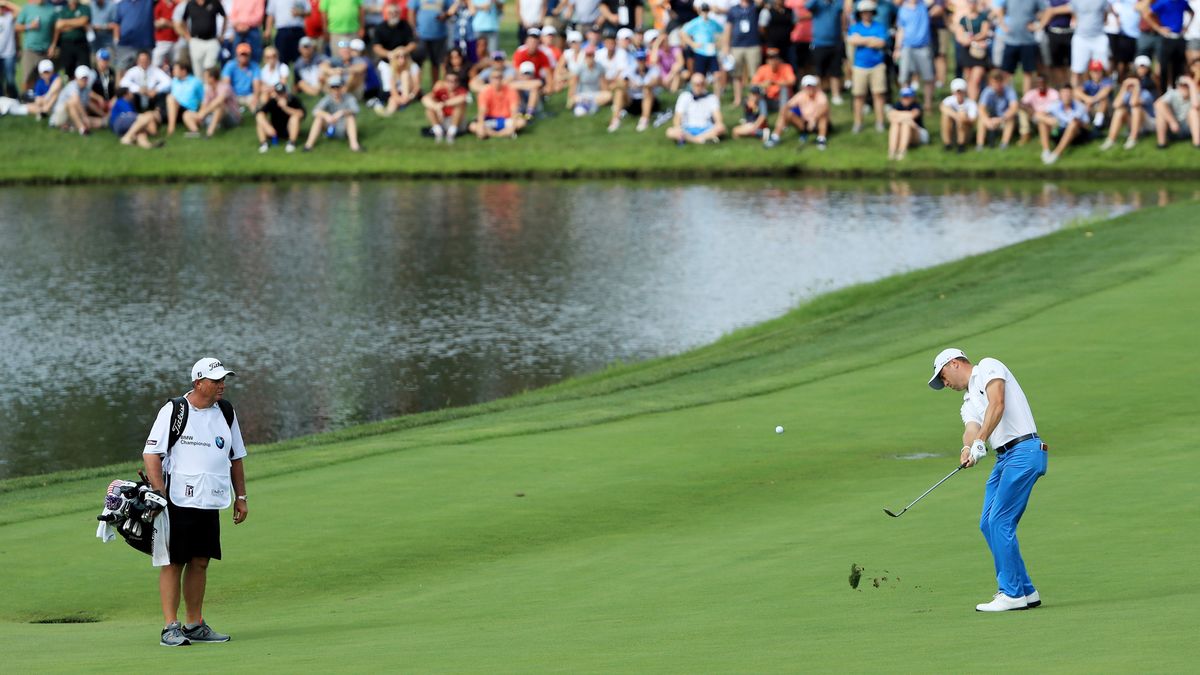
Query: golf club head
x,y
894,515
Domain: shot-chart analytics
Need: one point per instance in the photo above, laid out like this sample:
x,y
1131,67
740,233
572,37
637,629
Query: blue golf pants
x,y
1004,501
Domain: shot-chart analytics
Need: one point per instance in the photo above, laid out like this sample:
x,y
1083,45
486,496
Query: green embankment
x,y
664,527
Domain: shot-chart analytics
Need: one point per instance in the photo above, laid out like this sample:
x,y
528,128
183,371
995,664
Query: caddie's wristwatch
x,y
242,497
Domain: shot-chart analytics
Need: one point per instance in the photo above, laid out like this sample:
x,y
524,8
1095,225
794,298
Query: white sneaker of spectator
x,y
262,149
643,123
614,125
438,133
451,132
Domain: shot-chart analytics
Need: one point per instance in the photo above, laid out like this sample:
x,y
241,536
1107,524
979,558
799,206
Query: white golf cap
x,y
45,66
549,30
527,68
574,36
82,71
1143,60
358,45
624,34
208,369
958,84
945,356
810,81
650,35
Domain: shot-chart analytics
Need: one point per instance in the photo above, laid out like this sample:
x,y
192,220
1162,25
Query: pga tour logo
x,y
220,442
189,491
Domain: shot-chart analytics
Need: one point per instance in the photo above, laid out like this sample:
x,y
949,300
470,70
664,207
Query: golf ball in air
x,y
779,430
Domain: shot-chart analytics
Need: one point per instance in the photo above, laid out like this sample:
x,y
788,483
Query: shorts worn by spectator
x,y
201,473
959,114
446,107
335,116
906,125
1177,113
697,114
279,117
807,111
497,116
1065,120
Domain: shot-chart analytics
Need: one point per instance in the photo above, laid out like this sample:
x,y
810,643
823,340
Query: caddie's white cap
x,y
45,66
958,84
624,34
810,81
945,356
208,369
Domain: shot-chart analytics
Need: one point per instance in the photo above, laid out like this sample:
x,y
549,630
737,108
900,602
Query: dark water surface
x,y
341,303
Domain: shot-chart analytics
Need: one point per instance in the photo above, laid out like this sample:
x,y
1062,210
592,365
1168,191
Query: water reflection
x,y
347,302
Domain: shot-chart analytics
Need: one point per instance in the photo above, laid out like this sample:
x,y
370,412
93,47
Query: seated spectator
x,y
1035,102
335,115
529,89
483,72
401,81
131,126
497,116
533,52
1177,113
185,99
446,107
617,61
958,116
808,111
46,89
148,84
221,107
280,116
457,61
104,86
697,114
310,73
776,78
70,110
1096,93
644,85
907,125
754,116
571,57
587,92
372,93
1067,120
244,76
664,52
869,39
352,70
998,108
1134,104
271,73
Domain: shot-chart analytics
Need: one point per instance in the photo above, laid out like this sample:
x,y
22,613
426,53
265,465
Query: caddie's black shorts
x,y
195,533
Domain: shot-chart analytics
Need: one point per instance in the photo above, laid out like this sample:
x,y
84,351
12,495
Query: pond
x,y
345,302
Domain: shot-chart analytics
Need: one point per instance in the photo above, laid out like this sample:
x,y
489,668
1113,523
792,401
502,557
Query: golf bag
x,y
130,509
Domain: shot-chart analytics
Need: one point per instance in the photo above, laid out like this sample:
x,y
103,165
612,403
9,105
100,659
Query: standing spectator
x,y
1166,17
286,19
246,16
486,22
530,14
35,23
372,17
618,14
221,108
185,99
808,111
1096,93
777,79
1056,20
315,26
198,26
446,107
149,85
533,52
1020,45
974,35
431,31
497,116
244,76
826,45
1177,114
998,107
272,72
913,47
697,114
135,31
308,68
744,43
586,13
777,33
393,34
1035,102
336,116
165,36
701,36
1192,34
1089,42
131,126
907,126
1134,104
754,117
941,40
461,28
1066,120
281,115
869,39
1123,30
104,22
959,113
344,19
70,36
680,12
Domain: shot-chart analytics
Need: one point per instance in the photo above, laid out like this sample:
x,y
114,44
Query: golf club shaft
x,y
960,468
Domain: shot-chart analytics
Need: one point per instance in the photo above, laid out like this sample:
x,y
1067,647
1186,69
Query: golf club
x,y
897,515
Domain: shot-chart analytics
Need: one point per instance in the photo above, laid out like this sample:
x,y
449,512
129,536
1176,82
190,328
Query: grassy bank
x,y
663,527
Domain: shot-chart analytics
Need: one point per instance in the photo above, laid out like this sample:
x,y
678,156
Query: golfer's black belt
x,y
1013,443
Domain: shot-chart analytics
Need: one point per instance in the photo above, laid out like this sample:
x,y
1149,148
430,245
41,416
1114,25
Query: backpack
x,y
179,418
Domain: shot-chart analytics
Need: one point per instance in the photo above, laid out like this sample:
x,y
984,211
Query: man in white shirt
x,y
193,455
959,113
995,408
697,115
150,84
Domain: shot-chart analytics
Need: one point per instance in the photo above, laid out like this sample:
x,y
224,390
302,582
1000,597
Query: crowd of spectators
x,y
147,68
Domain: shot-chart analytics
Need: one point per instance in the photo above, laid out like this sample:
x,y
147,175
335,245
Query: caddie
x,y
194,456
995,408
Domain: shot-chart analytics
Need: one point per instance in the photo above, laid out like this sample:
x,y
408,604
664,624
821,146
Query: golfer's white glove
x,y
978,450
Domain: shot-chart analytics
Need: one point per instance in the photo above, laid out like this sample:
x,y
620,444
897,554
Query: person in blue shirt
x,y
134,31
914,50
129,125
432,30
183,103
826,45
998,106
907,126
744,44
869,39
1066,120
1096,92
243,75
703,36
1166,17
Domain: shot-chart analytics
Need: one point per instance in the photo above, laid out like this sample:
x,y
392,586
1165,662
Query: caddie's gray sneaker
x,y
203,633
172,636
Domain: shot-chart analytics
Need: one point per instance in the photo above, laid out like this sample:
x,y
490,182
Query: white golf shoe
x,y
1002,603
1033,600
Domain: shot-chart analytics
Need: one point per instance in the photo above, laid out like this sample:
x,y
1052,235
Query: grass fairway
x,y
665,527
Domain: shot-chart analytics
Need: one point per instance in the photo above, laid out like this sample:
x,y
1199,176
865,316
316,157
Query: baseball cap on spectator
x,y
358,45
574,36
102,53
1096,65
640,55
533,32
306,41
549,30
867,6
958,84
336,81
280,88
528,68
498,55
907,92
809,81
243,48
704,7
609,33
650,36
45,66
756,90
624,34
208,369
1143,60
82,71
